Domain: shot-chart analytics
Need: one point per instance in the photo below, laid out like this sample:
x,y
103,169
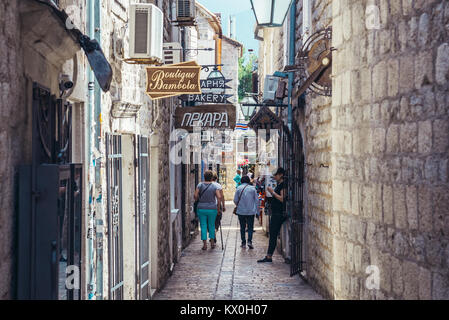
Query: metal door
x,y
184,190
143,209
50,212
115,215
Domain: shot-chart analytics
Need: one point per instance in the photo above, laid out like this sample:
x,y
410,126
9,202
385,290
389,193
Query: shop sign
x,y
172,80
220,116
207,98
215,84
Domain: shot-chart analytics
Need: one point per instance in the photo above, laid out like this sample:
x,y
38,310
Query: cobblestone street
x,y
233,274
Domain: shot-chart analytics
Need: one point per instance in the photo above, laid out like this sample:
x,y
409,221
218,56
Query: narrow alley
x,y
126,125
233,273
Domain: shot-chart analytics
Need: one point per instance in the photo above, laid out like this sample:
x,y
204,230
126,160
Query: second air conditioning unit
x,y
270,88
185,10
146,32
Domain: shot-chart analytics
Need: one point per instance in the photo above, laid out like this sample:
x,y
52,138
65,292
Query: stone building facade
x,y
40,45
34,53
390,149
151,119
376,151
232,50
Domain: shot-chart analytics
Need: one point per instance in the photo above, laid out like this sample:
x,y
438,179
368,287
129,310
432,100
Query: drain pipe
x,y
89,163
96,23
291,61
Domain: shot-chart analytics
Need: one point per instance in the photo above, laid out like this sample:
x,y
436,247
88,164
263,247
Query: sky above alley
x,y
244,17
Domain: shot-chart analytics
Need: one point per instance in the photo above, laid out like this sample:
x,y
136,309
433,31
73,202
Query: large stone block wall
x,y
128,86
390,149
315,124
164,194
14,117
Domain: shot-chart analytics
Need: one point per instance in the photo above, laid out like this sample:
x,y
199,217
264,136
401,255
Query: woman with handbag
x,y
246,200
207,202
277,213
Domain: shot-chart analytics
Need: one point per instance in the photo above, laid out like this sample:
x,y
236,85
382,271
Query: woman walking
x,y
277,216
209,200
246,200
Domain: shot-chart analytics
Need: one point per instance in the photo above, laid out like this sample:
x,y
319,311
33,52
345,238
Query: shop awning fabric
x,y
265,119
44,28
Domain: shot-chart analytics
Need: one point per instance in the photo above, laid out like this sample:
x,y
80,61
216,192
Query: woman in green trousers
x,y
209,200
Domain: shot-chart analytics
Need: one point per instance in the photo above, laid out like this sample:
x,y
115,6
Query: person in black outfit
x,y
277,217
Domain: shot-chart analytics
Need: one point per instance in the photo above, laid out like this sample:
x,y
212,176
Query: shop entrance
x,y
50,206
292,160
115,215
142,208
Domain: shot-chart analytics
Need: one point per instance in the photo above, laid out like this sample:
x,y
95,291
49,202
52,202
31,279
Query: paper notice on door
x,y
269,182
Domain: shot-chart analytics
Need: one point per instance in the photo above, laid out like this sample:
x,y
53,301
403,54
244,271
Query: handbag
x,y
195,204
240,197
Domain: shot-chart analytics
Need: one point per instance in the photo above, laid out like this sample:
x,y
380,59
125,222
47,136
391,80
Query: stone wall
x,y
152,119
230,59
23,63
13,127
315,125
164,262
390,149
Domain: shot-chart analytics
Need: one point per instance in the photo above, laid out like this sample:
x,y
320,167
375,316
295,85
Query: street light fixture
x,y
270,13
215,74
248,106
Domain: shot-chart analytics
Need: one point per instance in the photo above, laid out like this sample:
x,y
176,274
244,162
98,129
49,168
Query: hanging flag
x,y
241,126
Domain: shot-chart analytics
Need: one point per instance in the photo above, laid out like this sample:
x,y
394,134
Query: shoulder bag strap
x,y
199,198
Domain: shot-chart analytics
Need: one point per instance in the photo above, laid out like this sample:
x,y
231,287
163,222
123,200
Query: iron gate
x,y
143,209
292,160
115,216
50,206
296,183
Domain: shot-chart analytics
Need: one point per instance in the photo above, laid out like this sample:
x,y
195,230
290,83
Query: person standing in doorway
x,y
209,203
246,199
277,213
238,178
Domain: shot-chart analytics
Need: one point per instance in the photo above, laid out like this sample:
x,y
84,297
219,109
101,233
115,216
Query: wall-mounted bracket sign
x,y
219,116
207,98
316,64
172,80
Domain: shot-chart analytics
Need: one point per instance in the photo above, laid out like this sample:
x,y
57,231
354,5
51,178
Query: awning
x,y
265,119
44,28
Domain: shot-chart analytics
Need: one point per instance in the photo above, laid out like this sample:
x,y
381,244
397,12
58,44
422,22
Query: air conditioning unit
x,y
185,10
146,32
270,88
172,53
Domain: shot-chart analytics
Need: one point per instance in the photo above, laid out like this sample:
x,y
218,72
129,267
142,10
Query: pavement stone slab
x,y
233,273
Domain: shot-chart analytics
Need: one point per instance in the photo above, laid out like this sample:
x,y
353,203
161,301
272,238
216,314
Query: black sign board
x,y
219,116
207,98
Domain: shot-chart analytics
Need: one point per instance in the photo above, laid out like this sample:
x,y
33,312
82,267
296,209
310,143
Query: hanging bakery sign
x,y
172,80
219,116
208,97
